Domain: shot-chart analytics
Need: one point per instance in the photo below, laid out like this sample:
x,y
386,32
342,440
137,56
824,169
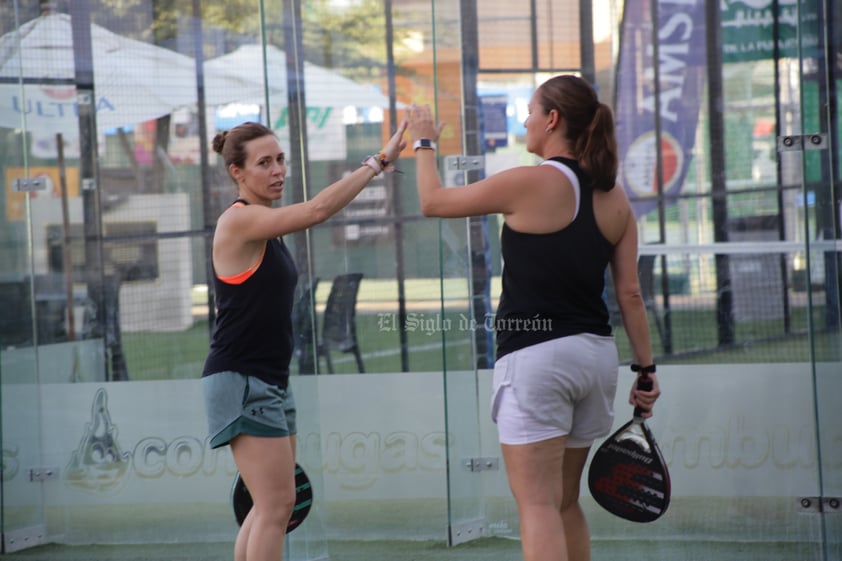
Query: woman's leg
x,y
243,537
267,466
535,477
576,530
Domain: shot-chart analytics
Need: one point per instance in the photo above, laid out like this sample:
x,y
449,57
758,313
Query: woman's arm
x,y
257,223
633,309
492,195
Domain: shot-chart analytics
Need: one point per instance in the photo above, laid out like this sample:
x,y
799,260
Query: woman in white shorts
x,y
561,387
555,377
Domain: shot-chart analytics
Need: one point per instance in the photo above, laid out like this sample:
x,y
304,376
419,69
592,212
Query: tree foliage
x,y
352,39
348,36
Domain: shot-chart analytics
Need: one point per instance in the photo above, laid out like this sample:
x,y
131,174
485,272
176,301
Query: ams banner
x,y
673,105
752,30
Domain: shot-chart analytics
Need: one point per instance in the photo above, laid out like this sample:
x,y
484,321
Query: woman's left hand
x,y
421,124
645,399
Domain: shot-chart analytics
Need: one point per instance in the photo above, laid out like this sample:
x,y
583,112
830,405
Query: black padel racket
x,y
628,476
241,499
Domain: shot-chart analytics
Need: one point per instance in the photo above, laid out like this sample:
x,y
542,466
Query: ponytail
x,y
596,149
589,126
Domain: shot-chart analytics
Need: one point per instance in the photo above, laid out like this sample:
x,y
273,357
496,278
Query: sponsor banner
x,y
326,138
326,131
375,442
137,442
749,28
681,69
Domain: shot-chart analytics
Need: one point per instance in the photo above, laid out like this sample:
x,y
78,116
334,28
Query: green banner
x,y
749,28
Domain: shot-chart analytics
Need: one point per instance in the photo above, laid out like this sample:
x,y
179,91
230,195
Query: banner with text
x,y
749,29
680,79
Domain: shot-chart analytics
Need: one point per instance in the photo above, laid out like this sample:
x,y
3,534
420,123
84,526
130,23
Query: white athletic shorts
x,y
564,386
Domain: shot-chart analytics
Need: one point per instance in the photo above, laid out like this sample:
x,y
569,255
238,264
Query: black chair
x,y
16,318
51,308
304,324
52,317
339,324
102,320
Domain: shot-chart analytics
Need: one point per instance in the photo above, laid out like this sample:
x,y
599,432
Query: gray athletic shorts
x,y
564,386
237,404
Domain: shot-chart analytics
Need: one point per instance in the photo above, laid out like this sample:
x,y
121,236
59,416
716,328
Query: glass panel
x,y
24,476
721,232
755,259
461,330
105,271
465,261
820,80
374,262
109,266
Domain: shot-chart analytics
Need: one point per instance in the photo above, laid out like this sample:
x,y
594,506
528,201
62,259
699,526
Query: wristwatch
x,y
424,144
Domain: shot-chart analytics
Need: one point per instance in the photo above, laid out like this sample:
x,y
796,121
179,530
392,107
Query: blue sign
x,y
495,121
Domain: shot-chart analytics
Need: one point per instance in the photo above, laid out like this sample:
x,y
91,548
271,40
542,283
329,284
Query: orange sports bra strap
x,y
240,278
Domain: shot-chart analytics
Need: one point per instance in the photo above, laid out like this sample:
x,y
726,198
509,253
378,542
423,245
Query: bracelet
x,y
423,144
643,369
379,162
384,162
374,163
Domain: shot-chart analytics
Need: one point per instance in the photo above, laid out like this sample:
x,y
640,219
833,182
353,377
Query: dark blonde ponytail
x,y
589,126
596,149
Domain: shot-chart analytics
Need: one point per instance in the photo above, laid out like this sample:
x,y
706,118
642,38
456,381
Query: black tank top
x,y
553,283
253,330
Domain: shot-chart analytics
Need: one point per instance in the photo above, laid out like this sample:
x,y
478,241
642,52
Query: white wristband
x,y
372,162
423,144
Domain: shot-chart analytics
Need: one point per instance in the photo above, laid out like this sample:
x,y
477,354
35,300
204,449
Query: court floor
x,y
487,549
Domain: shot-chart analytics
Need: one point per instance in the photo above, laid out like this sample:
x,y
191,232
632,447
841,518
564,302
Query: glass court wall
x,y
111,192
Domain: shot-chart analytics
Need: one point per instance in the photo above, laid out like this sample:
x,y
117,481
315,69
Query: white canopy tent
x,y
133,81
328,96
323,87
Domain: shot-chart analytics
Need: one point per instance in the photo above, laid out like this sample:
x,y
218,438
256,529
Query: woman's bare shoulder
x,y
612,211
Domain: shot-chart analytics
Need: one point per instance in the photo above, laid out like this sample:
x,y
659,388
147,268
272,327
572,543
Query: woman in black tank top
x,y
564,223
245,380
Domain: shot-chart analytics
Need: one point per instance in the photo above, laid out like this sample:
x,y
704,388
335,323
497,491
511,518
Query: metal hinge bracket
x,y
27,184
798,142
16,540
466,531
486,463
464,163
43,474
823,505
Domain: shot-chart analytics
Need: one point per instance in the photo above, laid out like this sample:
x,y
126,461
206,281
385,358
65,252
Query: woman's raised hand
x,y
396,144
421,123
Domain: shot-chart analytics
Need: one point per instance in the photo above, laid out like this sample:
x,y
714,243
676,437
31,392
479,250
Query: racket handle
x,y
644,383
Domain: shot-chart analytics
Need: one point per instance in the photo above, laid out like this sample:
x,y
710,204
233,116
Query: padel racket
x,y
628,476
241,499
